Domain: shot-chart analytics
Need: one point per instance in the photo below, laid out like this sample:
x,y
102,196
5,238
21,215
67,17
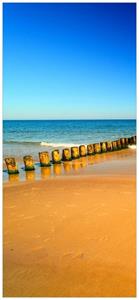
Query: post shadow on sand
x,y
30,175
57,169
14,177
45,172
67,167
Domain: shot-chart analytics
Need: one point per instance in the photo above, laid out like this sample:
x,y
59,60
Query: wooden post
x,y
66,154
29,163
114,145
126,141
118,144
11,165
130,141
109,146
44,159
82,150
133,139
97,148
75,152
90,149
123,142
56,159
103,147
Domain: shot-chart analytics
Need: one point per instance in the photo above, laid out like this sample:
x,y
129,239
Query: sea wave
x,y
58,144
21,142
132,147
43,143
53,145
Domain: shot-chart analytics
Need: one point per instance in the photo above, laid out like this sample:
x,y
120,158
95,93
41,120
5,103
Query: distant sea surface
x,y
30,137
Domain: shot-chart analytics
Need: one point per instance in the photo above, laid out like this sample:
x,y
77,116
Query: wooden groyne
x,y
29,163
11,165
44,159
69,154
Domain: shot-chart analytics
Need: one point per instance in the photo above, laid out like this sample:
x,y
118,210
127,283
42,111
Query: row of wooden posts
x,y
69,154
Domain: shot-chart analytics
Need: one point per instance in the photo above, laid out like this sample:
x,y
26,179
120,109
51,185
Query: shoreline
x,y
98,164
73,236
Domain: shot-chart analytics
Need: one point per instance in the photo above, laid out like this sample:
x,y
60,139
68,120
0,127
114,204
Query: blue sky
x,y
69,61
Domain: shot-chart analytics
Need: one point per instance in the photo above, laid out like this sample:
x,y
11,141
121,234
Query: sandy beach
x,y
74,235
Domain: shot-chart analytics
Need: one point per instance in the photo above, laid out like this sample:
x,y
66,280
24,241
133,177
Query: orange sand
x,y
72,236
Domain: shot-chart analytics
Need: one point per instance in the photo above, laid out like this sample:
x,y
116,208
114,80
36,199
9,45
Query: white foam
x,y
133,147
58,144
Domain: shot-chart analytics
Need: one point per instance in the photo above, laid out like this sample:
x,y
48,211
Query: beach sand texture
x,y
73,235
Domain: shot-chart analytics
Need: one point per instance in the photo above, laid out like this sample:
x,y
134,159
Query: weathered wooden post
x,y
82,150
90,149
122,140
11,165
97,148
29,163
126,141
66,154
129,141
118,144
114,145
56,159
103,147
109,146
44,159
75,152
133,139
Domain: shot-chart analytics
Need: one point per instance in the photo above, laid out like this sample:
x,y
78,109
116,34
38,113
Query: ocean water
x,y
29,137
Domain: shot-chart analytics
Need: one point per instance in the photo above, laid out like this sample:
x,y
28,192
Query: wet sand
x,y
72,235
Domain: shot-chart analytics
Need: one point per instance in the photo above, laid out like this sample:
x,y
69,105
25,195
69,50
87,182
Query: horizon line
x,y
90,119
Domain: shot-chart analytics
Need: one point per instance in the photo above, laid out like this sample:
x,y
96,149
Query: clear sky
x,y
69,61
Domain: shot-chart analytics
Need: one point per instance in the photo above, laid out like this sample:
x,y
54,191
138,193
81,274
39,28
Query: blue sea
x,y
32,136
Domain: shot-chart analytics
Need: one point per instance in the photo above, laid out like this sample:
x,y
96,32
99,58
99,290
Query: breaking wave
x,y
132,147
58,144
53,145
38,143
